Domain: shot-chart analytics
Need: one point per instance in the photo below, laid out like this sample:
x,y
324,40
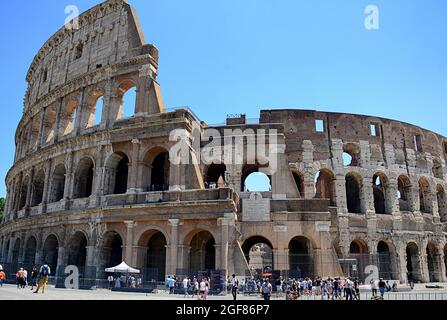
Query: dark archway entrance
x,y
301,262
384,260
259,254
353,193
358,250
413,263
202,254
155,256
77,254
50,252
214,173
30,252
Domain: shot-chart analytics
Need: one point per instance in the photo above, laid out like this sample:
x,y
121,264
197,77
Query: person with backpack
x,y
2,277
267,289
44,273
34,274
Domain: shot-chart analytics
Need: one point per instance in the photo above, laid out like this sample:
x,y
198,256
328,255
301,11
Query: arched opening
x,y
84,179
437,169
68,118
38,186
58,183
404,193
351,155
424,196
433,263
254,180
215,175
299,182
353,183
77,251
442,202
23,193
117,171
49,125
325,186
380,193
127,97
160,172
259,254
202,254
384,260
30,252
413,263
111,253
16,253
358,250
155,255
50,252
301,262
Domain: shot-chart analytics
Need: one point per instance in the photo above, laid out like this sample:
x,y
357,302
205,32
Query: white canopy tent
x,y
122,268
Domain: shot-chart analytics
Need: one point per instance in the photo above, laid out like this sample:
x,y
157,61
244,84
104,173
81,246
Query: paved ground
x,y
10,292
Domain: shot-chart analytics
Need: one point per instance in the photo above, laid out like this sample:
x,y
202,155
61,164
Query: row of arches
x,y
72,116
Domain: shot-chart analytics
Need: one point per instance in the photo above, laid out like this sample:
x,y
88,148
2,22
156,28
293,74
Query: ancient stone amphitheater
x,y
92,186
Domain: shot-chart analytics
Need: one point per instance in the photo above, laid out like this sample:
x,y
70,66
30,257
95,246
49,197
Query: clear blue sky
x,y
232,56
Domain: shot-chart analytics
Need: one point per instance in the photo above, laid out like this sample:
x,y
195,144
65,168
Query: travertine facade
x,y
93,192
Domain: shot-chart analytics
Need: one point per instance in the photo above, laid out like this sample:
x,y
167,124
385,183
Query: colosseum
x,y
92,185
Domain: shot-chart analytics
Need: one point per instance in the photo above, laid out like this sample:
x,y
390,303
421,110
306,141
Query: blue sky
x,y
230,56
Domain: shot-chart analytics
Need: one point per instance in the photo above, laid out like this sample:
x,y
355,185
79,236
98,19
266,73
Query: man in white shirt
x,y
185,287
234,286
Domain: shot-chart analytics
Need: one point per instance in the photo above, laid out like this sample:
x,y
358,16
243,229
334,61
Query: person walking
x,y
267,289
234,286
20,278
202,288
196,288
348,287
373,287
382,286
34,275
2,277
44,273
171,284
185,287
110,280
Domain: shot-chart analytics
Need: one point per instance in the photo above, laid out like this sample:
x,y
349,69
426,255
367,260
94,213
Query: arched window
x,y
215,175
23,192
259,254
38,186
117,168
404,193
324,185
93,114
84,179
202,254
299,182
58,183
353,183
442,203
351,155
301,258
127,97
424,196
253,180
437,169
49,125
380,193
68,118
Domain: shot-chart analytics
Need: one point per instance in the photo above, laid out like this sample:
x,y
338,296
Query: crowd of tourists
x,y
37,277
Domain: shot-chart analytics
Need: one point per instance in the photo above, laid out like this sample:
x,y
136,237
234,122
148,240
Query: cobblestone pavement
x,y
10,292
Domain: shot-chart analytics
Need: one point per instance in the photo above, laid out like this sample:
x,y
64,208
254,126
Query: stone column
x,y
80,110
41,128
392,205
58,119
423,265
69,178
309,178
340,193
129,241
29,191
402,263
46,186
442,268
61,262
173,252
133,170
10,249
224,223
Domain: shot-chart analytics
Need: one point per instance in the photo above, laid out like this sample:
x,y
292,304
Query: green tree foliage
x,y
2,207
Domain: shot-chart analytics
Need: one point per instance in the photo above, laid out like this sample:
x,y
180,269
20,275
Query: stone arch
x,y
23,192
404,193
442,202
16,252
425,196
433,262
359,251
298,177
157,169
351,151
301,257
110,251
353,190
58,183
51,252
68,118
202,253
381,194
77,251
38,187
117,173
84,176
414,272
214,173
249,169
94,107
152,255
127,99
325,185
49,125
30,251
262,257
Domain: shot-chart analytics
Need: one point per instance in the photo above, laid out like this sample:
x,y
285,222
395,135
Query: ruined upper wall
x,y
107,33
300,125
